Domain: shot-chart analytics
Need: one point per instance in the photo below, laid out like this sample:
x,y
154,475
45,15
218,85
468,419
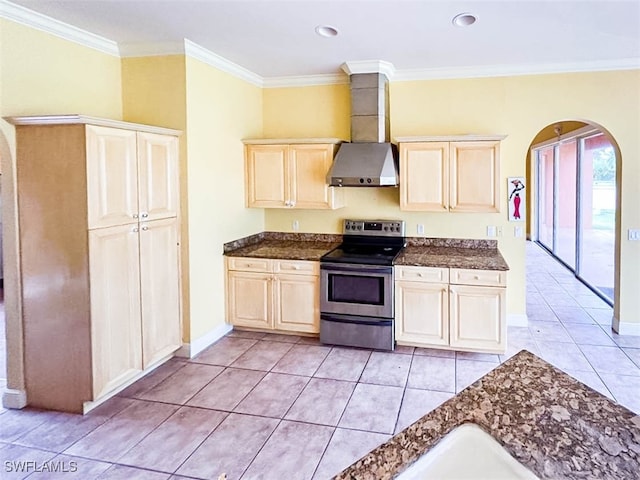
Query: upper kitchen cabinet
x,y
291,174
450,174
131,175
99,255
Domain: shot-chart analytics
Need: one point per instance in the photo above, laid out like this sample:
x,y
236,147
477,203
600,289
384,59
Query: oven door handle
x,y
379,323
355,269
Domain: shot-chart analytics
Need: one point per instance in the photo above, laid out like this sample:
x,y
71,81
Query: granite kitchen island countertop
x,y
554,425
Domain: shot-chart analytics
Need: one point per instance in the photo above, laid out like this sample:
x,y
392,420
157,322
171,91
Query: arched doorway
x,y
574,167
14,395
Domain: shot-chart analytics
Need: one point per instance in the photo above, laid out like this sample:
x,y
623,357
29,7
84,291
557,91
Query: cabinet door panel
x,y
267,175
422,313
475,174
309,167
159,280
112,176
158,176
115,307
478,318
297,303
424,176
249,299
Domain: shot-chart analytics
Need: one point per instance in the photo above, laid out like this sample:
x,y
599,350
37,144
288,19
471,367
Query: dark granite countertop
x,y
426,252
554,425
283,246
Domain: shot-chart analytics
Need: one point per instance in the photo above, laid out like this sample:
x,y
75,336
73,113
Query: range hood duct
x,y
369,160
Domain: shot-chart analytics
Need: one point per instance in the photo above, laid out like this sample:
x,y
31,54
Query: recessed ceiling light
x,y
326,31
464,20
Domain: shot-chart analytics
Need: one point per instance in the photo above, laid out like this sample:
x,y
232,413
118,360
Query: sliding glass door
x,y
576,201
597,213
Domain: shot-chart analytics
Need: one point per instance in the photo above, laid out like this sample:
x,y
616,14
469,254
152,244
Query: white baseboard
x,y
517,320
626,328
190,350
12,398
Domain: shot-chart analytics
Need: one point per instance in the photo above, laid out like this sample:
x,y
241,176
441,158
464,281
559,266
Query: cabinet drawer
x,y
297,266
249,264
492,278
423,274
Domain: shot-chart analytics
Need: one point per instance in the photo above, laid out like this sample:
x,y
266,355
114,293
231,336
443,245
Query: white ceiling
x,y
277,39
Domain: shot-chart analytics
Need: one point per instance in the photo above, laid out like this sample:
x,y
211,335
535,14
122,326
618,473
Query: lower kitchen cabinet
x,y
422,307
270,294
451,308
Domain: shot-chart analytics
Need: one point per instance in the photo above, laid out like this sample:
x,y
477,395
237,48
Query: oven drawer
x,y
354,331
296,266
247,264
490,278
422,274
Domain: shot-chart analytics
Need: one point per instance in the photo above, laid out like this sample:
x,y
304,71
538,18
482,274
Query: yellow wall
x,y
516,106
221,111
43,74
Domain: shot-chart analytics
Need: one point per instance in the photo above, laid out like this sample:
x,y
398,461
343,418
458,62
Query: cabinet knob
x,y
296,267
135,215
144,215
134,229
477,277
419,274
145,228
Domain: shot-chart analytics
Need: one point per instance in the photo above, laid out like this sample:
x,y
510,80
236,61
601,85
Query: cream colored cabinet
x,y
422,305
116,330
451,308
290,175
478,310
130,176
159,290
98,202
273,294
450,176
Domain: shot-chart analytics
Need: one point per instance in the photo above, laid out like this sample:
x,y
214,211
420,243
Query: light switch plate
x,y
634,234
517,231
491,231
420,229
295,225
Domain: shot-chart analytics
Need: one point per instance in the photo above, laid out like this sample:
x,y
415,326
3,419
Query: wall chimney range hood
x,y
370,160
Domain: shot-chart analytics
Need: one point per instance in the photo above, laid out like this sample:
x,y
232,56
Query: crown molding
x,y
155,49
305,80
369,66
29,18
197,52
516,70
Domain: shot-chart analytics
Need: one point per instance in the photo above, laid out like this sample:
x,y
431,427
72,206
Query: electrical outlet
x,y
295,225
491,231
634,234
420,229
517,231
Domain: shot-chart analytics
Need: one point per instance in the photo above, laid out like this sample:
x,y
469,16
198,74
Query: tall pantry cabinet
x,y
99,224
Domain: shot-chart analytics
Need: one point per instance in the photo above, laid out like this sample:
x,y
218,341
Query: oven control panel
x,y
377,228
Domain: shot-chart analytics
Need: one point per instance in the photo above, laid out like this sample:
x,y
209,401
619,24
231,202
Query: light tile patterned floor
x,y
259,406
